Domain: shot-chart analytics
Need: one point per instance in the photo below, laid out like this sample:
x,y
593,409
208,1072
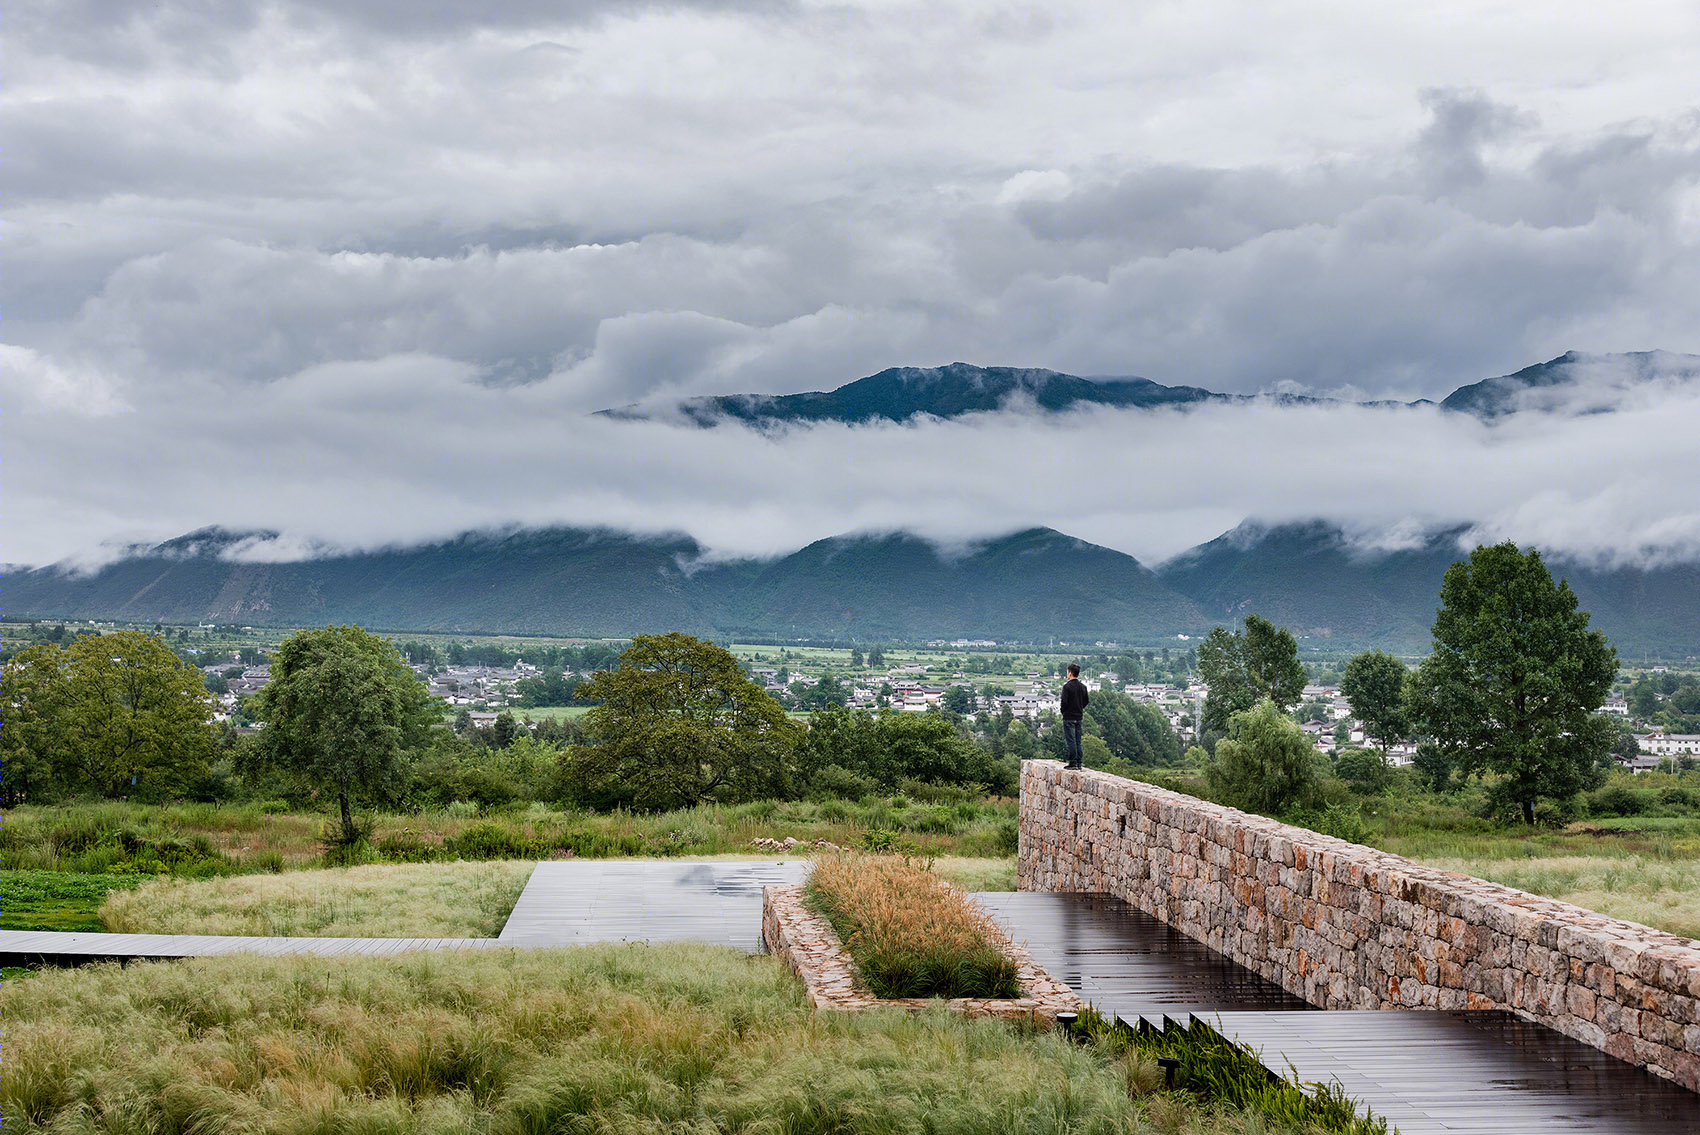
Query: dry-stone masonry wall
x,y
1350,927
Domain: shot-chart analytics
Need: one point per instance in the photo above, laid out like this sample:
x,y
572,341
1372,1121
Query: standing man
x,y
1074,699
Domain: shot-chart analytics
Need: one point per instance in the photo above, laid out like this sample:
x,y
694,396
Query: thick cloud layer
x,y
357,271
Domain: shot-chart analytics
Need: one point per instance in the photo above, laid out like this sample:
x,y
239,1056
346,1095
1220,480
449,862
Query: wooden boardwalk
x,y
567,902
28,947
564,903
1466,1072
1427,1072
1127,963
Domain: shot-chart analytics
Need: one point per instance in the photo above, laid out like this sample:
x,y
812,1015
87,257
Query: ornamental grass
x,y
909,932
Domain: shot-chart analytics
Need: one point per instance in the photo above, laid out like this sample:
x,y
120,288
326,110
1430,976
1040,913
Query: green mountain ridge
x,y
1035,586
564,581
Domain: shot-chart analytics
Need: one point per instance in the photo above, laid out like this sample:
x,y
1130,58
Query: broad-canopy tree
x,y
1515,679
888,748
1374,685
342,709
680,723
1245,667
1266,763
112,714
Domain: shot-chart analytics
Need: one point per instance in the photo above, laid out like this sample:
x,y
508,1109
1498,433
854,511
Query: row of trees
x,y
1511,688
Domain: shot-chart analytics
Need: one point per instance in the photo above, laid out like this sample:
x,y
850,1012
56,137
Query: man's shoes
x,y
1076,768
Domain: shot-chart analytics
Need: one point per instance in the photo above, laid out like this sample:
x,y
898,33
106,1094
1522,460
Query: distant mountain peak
x,y
898,394
1574,382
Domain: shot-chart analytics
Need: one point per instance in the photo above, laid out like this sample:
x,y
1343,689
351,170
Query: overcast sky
x,y
357,271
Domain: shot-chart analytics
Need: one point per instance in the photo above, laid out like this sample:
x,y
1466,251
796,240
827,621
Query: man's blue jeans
x,y
1071,741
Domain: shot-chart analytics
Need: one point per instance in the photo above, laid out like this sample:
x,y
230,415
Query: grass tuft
x,y
909,932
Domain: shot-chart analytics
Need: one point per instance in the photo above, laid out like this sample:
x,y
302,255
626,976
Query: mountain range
x,y
1032,586
1574,380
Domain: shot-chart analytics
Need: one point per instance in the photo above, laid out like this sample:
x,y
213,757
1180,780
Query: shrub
x,y
1341,823
909,933
1617,800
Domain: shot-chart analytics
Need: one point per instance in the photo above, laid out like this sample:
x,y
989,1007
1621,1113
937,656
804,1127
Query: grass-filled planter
x,y
909,932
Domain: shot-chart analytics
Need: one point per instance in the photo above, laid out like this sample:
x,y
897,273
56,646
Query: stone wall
x,y
1349,927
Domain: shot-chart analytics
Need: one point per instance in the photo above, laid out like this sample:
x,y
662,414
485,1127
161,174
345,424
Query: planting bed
x,y
808,944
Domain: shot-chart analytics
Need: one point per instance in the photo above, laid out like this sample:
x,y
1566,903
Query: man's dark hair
x,y
1074,669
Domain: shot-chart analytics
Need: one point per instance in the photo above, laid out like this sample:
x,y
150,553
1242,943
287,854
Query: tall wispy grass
x,y
678,1038
1661,894
909,932
209,839
441,900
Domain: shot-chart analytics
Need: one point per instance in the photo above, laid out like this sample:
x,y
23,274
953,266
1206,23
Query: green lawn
x,y
57,900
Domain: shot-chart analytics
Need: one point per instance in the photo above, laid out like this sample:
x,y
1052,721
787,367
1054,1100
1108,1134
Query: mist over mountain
x,y
1333,588
1317,579
1572,383
1031,585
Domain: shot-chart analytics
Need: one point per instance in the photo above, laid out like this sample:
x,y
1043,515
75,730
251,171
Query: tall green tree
x,y
1245,667
1515,679
1374,685
342,710
1266,763
112,714
679,723
1133,731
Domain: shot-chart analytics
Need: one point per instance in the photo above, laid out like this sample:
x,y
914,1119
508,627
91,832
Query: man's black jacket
x,y
1074,699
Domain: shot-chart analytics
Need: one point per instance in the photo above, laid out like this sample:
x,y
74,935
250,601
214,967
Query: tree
x,y
680,723
342,707
1133,731
958,699
112,714
1364,769
1265,764
1515,678
1248,666
1374,684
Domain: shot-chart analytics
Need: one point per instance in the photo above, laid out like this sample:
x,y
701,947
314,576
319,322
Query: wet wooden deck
x,y
1127,963
1475,1072
1427,1072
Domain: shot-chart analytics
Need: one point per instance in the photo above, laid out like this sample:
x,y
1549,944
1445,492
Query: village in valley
x,y
964,677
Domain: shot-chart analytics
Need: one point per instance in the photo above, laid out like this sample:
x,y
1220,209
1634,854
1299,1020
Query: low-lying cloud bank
x,y
412,448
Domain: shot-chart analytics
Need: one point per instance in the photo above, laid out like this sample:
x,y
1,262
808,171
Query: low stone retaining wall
x,y
810,946
1349,927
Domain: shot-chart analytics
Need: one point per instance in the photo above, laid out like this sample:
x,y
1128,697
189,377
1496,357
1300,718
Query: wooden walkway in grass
x,y
564,903
57,948
1428,1073
568,902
